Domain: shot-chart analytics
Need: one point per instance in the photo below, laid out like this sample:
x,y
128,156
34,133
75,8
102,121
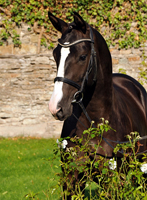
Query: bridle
x,y
79,95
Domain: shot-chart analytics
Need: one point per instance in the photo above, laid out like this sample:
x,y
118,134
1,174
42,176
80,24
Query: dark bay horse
x,y
84,74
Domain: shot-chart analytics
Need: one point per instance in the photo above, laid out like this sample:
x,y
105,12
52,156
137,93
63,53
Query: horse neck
x,y
101,100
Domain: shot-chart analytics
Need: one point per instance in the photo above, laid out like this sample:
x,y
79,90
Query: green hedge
x,y
121,22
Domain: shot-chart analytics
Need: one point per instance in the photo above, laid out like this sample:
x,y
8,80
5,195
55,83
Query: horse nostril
x,y
59,114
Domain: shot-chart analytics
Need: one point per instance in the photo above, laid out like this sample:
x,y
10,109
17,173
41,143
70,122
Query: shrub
x,y
127,182
121,22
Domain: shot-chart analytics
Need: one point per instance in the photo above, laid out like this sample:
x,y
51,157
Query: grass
x,y
24,169
27,172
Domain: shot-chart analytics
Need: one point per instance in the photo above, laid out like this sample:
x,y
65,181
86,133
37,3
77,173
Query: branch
x,y
37,30
5,11
39,39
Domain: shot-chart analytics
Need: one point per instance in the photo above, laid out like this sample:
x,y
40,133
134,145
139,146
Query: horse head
x,y
74,64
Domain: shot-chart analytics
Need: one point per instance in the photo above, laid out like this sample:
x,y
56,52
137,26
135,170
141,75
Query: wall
x,y
130,61
26,84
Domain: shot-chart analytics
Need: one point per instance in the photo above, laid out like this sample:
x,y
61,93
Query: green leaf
x,y
92,135
104,171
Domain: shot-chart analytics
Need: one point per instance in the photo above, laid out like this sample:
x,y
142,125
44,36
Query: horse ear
x,y
80,22
59,24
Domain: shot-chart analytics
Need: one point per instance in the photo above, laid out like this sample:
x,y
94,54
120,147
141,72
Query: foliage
x,y
16,39
43,42
9,31
122,71
126,183
143,74
121,22
51,46
143,69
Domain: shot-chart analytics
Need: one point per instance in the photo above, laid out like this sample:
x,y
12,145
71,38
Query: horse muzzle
x,y
60,112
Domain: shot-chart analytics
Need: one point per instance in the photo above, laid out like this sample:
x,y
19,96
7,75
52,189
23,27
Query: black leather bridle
x,y
78,96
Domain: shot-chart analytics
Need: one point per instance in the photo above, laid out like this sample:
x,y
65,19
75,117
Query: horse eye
x,y
83,57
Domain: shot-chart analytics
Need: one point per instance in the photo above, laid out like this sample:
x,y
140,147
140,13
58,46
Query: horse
x,y
85,88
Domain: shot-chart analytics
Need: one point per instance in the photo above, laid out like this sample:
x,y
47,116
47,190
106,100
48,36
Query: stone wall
x,y
26,84
130,61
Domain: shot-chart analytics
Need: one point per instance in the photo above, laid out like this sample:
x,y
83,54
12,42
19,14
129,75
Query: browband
x,y
76,42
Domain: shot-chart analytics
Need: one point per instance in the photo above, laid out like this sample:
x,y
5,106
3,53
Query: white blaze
x,y
58,93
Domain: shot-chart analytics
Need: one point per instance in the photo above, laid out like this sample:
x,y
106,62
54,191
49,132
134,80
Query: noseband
x,y
78,96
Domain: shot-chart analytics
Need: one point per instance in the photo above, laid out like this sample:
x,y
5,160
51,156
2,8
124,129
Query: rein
x,y
78,96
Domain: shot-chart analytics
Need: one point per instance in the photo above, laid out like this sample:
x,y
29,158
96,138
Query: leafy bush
x,y
127,182
121,22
